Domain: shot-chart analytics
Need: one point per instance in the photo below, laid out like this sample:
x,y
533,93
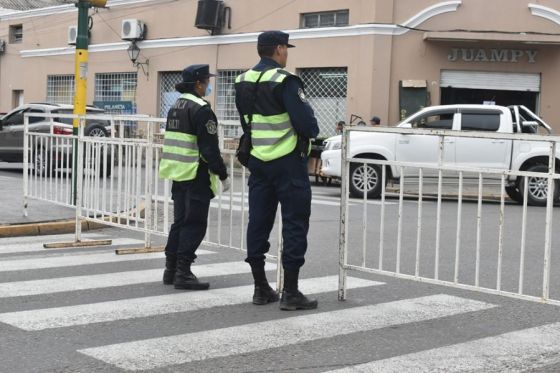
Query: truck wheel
x,y
537,192
357,187
514,193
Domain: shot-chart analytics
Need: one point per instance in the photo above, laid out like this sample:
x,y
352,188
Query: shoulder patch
x,y
301,95
211,127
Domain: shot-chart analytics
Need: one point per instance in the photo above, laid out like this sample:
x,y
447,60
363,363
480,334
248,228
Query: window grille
x,y
325,19
226,111
325,89
167,93
16,34
60,89
117,87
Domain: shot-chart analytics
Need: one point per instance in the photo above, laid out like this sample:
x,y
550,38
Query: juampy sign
x,y
492,55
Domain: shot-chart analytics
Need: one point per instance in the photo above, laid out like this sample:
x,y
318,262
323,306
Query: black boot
x,y
292,298
263,294
185,279
170,268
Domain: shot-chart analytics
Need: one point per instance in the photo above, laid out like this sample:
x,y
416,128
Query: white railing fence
x,y
118,184
491,247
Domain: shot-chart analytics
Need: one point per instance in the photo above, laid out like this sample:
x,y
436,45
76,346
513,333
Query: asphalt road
x,y
87,310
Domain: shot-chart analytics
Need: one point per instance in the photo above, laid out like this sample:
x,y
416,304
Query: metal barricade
x,y
484,246
118,182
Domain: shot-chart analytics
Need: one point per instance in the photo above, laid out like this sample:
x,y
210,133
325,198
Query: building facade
x,y
364,57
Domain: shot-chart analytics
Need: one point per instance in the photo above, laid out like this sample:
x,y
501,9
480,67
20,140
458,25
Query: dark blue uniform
x,y
283,180
191,199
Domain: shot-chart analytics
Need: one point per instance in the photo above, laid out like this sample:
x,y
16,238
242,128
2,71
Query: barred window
x,y
326,90
325,19
167,93
60,89
16,34
117,87
226,111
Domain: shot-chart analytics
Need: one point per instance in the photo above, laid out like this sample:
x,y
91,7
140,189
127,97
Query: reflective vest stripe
x,y
264,141
180,157
271,127
179,144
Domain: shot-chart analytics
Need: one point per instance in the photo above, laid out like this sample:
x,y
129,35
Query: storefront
x,y
385,57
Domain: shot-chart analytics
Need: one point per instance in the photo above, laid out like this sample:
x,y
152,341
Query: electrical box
x,y
72,35
133,29
209,14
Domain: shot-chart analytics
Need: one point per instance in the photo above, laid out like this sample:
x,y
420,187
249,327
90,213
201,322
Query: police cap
x,y
274,38
195,73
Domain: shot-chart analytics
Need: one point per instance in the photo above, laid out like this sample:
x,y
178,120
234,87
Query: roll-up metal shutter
x,y
491,80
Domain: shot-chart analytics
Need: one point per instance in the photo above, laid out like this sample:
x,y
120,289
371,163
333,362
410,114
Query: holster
x,y
302,146
243,151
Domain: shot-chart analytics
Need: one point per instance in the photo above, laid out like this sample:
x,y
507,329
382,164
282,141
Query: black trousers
x,y
189,223
283,180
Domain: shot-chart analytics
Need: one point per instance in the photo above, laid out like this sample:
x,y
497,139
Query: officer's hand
x,y
226,184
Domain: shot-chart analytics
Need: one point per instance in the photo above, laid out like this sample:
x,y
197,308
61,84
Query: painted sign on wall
x,y
492,55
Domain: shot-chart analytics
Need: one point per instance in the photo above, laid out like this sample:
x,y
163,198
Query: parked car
x,y
467,152
11,131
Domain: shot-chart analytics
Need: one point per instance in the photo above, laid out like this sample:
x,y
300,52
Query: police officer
x,y
274,111
191,158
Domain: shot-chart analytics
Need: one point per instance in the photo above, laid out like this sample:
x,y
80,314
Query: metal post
x,y
342,255
25,162
548,224
280,250
148,199
438,219
80,71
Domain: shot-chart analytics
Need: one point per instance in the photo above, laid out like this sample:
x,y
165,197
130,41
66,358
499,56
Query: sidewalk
x,y
11,200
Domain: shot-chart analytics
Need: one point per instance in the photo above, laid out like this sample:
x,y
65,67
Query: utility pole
x,y
80,72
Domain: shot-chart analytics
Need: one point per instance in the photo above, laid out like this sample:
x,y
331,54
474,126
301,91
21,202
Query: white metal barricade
x,y
118,184
491,247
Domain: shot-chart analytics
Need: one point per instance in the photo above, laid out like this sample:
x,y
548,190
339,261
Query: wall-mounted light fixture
x,y
133,53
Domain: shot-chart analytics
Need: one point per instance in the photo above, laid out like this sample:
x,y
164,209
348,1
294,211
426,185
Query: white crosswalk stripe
x,y
179,349
157,305
76,259
511,352
57,285
514,351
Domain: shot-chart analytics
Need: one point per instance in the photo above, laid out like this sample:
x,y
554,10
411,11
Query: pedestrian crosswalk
x,y
359,323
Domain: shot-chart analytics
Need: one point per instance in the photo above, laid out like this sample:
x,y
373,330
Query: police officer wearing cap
x,y
274,111
191,158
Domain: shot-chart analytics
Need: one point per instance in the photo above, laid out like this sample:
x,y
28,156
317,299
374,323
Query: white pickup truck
x,y
498,154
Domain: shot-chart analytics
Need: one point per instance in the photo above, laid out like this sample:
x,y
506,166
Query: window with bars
x,y
110,87
167,93
326,89
16,33
226,111
325,19
60,89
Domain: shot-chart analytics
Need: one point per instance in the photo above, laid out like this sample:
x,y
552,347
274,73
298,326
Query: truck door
x,y
424,149
486,153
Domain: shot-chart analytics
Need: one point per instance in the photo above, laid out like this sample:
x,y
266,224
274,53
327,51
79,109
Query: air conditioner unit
x,y
72,35
133,29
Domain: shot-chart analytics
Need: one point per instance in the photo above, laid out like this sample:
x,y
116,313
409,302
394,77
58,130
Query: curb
x,y
55,227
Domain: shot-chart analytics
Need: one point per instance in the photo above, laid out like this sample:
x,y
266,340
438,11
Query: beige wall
x,y
376,63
